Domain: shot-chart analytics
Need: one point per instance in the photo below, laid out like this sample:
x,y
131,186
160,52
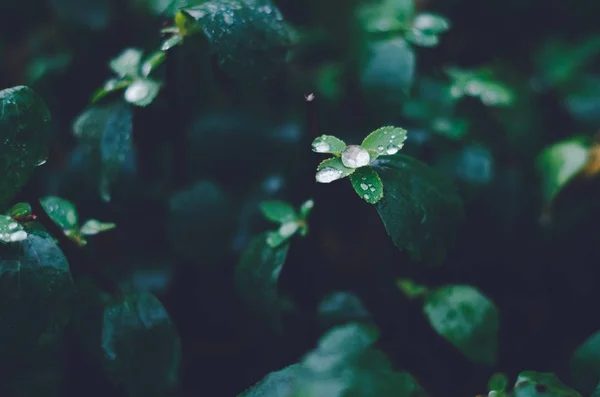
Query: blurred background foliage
x,y
503,97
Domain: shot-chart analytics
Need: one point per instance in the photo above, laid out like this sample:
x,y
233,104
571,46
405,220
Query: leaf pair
x,y
290,221
133,76
354,160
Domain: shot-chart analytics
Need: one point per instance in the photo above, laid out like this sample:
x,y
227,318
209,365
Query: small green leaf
x,y
328,144
585,364
153,62
420,209
24,133
142,92
331,170
278,211
62,211
10,230
257,277
93,227
411,289
171,42
529,382
306,208
127,63
559,163
498,382
480,83
110,86
21,210
367,184
185,22
384,141
467,319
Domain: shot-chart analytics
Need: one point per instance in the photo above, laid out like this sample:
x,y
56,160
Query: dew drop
x,y
392,149
366,196
13,226
363,186
355,156
380,148
321,147
328,174
372,189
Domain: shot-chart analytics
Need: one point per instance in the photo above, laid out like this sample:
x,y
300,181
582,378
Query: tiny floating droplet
x,y
355,156
328,174
363,186
392,149
321,147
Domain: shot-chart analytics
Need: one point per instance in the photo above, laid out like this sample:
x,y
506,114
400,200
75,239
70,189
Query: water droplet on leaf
x,y
363,186
321,147
355,156
18,236
392,149
328,174
13,226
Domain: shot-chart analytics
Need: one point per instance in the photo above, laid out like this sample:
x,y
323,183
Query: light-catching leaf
x,y
467,319
426,28
127,63
278,211
142,92
384,141
249,37
420,209
24,133
328,144
36,292
529,384
20,210
559,163
10,230
92,227
331,170
257,277
367,185
585,364
62,211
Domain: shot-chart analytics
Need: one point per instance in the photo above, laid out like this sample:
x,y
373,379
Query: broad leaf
x,y
559,163
331,170
420,209
328,144
119,334
257,277
467,319
367,184
538,384
278,211
384,141
249,37
36,292
10,230
24,133
62,211
585,364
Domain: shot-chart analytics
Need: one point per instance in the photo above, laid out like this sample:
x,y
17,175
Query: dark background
x,y
253,143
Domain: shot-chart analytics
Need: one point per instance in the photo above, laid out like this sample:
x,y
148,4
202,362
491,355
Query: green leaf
x,y
127,63
21,210
411,289
367,184
420,209
498,382
129,325
559,163
24,133
480,83
306,208
331,170
92,227
62,211
10,230
585,364
171,42
249,37
278,211
36,293
328,144
184,22
257,277
109,87
384,141
467,319
153,62
142,92
529,382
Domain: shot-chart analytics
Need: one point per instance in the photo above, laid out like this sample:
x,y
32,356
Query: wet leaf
x,y
278,211
36,292
331,170
529,383
10,230
24,133
420,209
92,227
367,185
20,210
257,277
62,211
127,63
153,62
249,37
384,141
467,319
171,42
328,144
585,364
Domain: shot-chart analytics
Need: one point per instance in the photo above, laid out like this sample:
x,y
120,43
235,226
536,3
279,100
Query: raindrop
x,y
392,149
328,174
363,186
366,196
13,226
355,156
380,148
372,189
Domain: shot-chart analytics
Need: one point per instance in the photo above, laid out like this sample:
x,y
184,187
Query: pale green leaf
x,y
109,87
142,92
171,42
278,211
328,144
127,63
93,227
